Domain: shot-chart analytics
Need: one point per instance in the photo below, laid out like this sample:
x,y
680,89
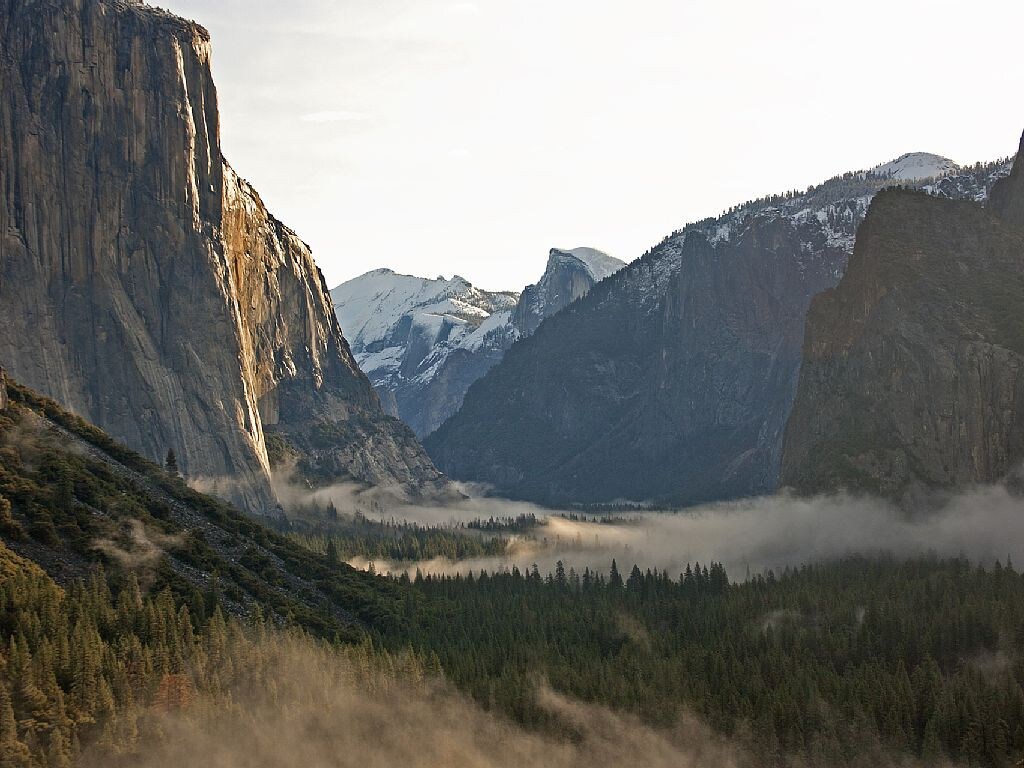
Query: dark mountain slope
x,y
672,380
72,497
913,373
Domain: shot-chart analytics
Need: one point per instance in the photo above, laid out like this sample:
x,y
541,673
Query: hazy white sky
x,y
469,136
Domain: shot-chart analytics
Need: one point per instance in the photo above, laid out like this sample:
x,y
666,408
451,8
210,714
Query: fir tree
x,y
171,463
614,579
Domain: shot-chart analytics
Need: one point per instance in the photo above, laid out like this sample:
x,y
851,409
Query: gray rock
x,y
142,283
913,373
568,276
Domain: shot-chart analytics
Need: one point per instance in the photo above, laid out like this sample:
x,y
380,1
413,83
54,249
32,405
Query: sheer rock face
x,y
569,275
913,373
142,283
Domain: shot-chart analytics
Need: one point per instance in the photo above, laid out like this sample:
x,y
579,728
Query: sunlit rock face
x,y
143,284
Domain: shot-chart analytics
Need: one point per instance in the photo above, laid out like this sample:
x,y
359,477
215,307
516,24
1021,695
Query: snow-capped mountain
x,y
673,379
569,275
423,341
369,306
914,166
825,217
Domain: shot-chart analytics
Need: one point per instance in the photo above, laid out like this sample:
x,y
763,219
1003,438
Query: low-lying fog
x,y
751,535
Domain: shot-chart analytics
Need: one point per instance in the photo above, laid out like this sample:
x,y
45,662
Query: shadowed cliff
x,y
913,372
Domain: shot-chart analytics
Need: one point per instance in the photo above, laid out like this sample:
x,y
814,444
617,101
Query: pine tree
x,y
560,578
614,579
64,497
9,527
171,463
13,752
635,580
332,551
58,755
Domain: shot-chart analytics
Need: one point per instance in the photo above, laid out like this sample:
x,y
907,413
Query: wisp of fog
x,y
769,532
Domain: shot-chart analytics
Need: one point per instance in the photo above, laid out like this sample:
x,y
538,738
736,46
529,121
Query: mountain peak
x,y
598,263
423,342
1008,195
915,166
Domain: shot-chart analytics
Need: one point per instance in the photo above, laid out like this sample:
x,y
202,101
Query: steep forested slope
x,y
73,498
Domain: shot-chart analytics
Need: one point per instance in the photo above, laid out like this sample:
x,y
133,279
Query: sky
x,y
441,137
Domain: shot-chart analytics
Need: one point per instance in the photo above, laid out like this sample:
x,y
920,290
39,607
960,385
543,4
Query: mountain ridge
x,y
76,499
424,341
672,380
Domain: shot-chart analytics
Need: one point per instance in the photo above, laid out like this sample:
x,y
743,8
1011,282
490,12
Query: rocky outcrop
x,y
3,390
672,380
913,372
142,283
423,342
569,275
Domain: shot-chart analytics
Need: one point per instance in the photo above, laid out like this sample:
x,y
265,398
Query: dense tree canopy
x,y
845,663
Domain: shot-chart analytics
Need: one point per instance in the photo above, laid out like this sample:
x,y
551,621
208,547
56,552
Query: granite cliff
x,y
913,372
144,285
568,276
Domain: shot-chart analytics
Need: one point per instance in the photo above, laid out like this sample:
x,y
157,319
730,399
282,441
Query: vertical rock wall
x,y
913,367
142,284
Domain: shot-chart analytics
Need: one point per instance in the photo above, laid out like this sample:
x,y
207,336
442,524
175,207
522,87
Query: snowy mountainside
x,y
370,306
423,341
915,166
826,215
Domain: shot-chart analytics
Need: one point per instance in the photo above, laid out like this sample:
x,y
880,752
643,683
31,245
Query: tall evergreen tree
x,y
614,579
171,463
